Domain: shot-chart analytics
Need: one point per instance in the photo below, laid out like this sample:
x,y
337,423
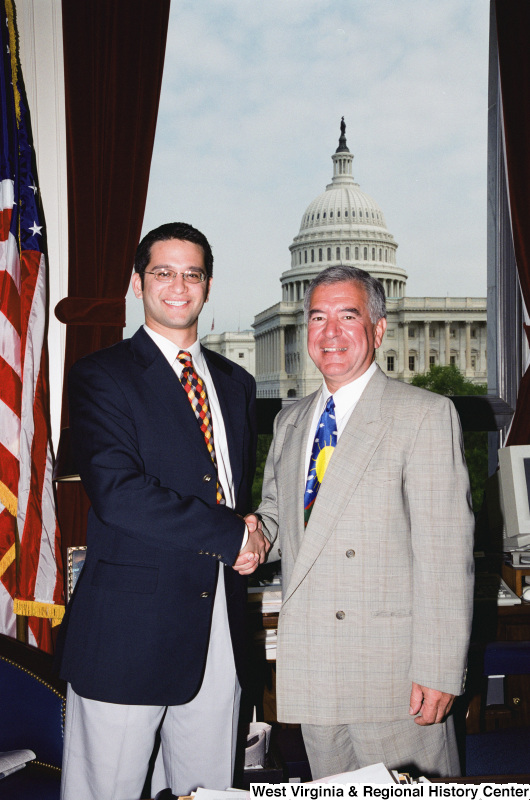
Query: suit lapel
x,y
166,388
232,401
357,444
293,474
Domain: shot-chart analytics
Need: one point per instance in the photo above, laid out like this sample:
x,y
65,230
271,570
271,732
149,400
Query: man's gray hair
x,y
374,289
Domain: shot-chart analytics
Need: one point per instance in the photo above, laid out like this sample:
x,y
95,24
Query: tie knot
x,y
185,358
330,405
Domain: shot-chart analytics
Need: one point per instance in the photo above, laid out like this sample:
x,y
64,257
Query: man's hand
x,y
255,551
430,705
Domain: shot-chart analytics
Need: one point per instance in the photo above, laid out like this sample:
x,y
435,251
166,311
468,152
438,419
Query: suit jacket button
x,y
205,594
207,478
340,614
350,553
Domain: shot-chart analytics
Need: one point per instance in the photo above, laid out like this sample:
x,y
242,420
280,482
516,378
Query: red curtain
x,y
113,63
513,29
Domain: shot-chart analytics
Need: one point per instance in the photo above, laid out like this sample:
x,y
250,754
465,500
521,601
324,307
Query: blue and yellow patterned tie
x,y
198,397
323,446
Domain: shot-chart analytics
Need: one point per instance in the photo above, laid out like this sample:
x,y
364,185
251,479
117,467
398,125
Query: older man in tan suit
x,y
378,577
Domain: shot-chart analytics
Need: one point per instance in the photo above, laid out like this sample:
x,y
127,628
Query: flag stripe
x,y
5,220
10,345
9,430
32,302
10,301
10,470
9,256
10,386
8,624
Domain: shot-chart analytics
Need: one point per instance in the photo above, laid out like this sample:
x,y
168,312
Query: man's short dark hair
x,y
164,233
375,292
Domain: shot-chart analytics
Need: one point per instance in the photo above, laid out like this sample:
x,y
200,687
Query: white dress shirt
x,y
345,398
224,470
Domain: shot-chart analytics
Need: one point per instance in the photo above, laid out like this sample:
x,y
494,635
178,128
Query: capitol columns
x,y
427,345
281,367
468,348
406,371
447,324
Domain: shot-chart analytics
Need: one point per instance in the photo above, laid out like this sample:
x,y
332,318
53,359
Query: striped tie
x,y
196,392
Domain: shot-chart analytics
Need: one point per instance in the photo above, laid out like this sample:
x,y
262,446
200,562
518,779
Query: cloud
x,y
249,116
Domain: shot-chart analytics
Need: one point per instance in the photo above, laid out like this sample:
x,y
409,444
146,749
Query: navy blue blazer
x,y
136,629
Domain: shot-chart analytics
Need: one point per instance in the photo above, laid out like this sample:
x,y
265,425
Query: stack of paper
x,y
268,602
267,639
13,760
375,773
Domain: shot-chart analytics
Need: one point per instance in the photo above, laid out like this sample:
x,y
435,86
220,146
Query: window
x,y
320,254
452,333
338,212
347,254
353,212
360,212
365,253
330,214
412,361
373,253
305,256
432,361
452,361
241,355
356,253
329,253
432,333
412,333
312,255
318,215
380,254
473,333
473,362
324,215
390,363
337,254
345,212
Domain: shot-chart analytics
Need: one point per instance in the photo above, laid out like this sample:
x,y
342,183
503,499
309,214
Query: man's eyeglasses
x,y
168,275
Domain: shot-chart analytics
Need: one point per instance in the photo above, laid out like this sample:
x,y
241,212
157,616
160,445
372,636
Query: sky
x,y
250,109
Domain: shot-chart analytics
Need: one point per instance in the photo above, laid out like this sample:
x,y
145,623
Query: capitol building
x,y
344,225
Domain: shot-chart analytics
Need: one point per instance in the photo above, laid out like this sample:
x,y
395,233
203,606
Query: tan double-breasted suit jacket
x,y
377,591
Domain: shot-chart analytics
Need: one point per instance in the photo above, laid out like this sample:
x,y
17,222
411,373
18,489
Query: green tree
x,y
264,442
450,381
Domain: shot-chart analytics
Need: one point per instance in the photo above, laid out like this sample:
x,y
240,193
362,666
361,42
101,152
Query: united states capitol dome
x,y
343,225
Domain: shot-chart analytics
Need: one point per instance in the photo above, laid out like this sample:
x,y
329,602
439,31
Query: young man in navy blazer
x,y
153,638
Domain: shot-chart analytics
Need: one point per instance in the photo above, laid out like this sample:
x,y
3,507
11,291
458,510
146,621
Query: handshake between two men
x,y
255,550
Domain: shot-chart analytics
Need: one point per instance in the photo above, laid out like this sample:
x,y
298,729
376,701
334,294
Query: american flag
x,y
30,559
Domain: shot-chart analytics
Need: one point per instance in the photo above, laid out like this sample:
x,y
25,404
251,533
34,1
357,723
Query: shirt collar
x,y
170,349
348,395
